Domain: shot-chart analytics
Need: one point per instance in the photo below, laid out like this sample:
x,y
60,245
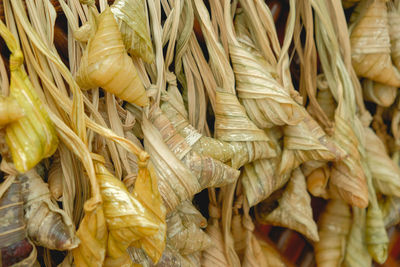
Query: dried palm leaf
x,y
317,182
214,255
237,228
232,125
128,220
55,179
370,45
132,20
267,103
208,171
271,254
231,122
189,214
188,238
381,94
146,191
390,211
260,178
394,33
10,110
191,260
47,224
304,142
137,113
139,257
385,173
106,64
15,247
356,250
347,176
294,210
130,178
93,234
201,144
376,237
176,182
253,254
309,166
171,258
334,225
325,98
33,137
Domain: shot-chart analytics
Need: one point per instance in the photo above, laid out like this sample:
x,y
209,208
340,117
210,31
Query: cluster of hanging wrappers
x,y
106,144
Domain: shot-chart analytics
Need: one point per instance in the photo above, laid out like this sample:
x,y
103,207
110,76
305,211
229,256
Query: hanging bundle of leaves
x,y
215,254
261,178
334,226
356,251
294,208
385,173
126,218
232,125
376,237
132,21
32,137
209,172
185,236
174,109
106,64
394,33
370,45
47,225
381,94
146,191
16,249
176,182
390,211
317,182
265,100
304,142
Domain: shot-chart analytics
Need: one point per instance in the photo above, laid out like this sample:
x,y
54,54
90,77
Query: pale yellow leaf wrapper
x,y
132,21
260,178
357,254
385,173
93,234
128,220
304,142
294,210
201,144
347,176
186,238
13,232
334,225
370,45
146,191
209,172
390,211
215,254
381,94
232,125
9,110
48,225
394,33
32,137
267,103
176,182
106,64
